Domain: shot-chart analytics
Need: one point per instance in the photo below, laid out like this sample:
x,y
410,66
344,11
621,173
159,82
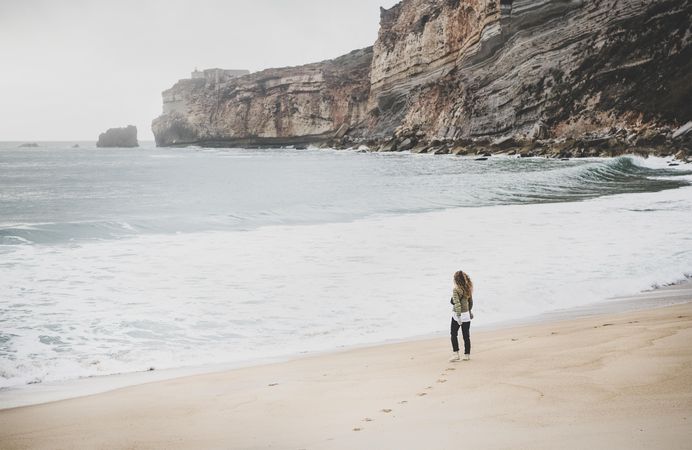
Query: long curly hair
x,y
463,282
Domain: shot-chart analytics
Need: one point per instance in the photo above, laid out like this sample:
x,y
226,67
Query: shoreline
x,y
545,385
42,393
599,146
55,390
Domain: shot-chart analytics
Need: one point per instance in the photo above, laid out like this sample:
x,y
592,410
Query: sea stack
x,y
119,137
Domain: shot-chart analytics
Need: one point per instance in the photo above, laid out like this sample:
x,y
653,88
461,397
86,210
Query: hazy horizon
x,y
80,67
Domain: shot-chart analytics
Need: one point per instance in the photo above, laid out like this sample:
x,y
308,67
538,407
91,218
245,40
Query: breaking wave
x,y
407,185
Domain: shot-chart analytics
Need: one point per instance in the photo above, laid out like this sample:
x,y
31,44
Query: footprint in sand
x,y
386,410
448,369
403,402
367,419
357,429
441,380
420,394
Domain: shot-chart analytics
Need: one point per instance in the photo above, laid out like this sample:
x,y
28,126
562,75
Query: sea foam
x,y
173,300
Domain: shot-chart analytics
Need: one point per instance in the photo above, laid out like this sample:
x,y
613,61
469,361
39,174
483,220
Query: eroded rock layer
x,y
466,72
291,105
558,68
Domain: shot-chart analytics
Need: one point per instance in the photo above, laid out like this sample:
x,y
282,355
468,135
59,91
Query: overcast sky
x,y
73,68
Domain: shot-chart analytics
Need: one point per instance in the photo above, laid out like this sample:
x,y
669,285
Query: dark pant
x,y
465,332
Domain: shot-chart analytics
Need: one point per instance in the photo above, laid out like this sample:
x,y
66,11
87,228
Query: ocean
x,y
121,260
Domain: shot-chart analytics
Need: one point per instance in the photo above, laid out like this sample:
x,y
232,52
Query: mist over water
x,y
117,260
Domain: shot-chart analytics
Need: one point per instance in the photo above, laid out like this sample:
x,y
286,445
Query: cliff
x,y
520,71
454,75
291,105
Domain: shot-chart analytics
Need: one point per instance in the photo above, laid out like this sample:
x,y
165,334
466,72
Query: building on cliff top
x,y
174,100
218,75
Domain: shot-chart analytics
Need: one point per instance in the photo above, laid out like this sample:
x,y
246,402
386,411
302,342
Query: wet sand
x,y
607,380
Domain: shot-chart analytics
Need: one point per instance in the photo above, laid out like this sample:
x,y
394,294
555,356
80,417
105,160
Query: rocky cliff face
x,y
467,72
532,69
292,105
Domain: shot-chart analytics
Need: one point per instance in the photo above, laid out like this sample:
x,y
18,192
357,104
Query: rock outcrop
x,y
286,106
566,77
119,137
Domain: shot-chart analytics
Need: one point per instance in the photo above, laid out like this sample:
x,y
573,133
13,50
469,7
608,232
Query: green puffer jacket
x,y
461,302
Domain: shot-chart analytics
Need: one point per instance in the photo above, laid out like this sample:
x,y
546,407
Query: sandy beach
x,y
239,225
609,380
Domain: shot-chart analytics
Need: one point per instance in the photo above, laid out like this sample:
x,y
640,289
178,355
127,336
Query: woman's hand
x,y
471,314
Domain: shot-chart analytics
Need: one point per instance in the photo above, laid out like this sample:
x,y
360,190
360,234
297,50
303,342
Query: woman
x,y
462,299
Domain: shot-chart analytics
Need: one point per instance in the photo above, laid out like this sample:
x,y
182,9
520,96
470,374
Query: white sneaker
x,y
455,357
467,357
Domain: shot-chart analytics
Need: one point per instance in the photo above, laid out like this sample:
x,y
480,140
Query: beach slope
x,y
613,380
